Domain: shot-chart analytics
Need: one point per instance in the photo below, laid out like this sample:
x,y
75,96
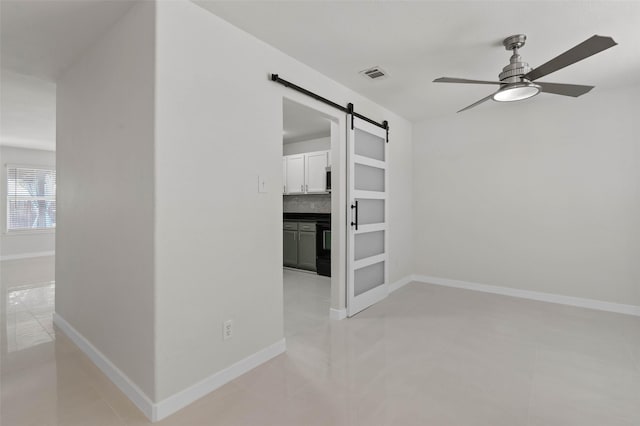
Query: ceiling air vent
x,y
374,73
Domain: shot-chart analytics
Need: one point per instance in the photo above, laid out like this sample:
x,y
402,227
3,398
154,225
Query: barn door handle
x,y
355,206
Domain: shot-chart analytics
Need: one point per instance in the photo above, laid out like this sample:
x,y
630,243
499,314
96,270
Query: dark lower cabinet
x,y
307,250
290,243
299,245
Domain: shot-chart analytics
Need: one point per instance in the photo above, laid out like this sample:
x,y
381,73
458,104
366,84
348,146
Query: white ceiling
x,y
416,42
38,40
41,38
301,123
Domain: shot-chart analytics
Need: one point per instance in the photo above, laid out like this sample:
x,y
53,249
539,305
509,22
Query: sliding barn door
x,y
367,243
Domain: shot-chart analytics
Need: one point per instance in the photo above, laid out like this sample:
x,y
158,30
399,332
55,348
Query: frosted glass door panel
x,y
369,145
368,178
368,244
369,277
370,211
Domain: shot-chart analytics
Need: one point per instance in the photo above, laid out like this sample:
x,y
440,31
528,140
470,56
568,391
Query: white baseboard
x,y
185,397
533,295
27,255
133,392
168,406
337,314
400,283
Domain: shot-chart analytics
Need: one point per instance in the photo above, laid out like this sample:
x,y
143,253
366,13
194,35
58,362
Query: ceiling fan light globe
x,y
516,92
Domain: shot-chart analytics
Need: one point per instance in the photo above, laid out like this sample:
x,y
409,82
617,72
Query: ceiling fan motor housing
x,y
513,72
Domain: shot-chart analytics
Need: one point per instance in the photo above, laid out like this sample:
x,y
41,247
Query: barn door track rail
x,y
347,110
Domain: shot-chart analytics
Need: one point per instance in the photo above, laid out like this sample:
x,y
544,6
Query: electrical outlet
x,y
227,329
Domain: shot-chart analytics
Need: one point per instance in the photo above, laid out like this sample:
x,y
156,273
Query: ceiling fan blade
x,y
574,90
463,80
477,103
589,47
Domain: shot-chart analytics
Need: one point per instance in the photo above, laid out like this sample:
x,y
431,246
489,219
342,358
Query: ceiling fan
x,y
516,79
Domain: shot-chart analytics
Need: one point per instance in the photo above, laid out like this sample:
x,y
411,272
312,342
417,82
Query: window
x,y
31,198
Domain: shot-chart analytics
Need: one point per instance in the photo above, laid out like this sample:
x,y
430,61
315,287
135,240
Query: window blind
x,y
31,198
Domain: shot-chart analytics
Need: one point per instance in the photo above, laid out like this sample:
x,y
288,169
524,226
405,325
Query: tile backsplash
x,y
319,203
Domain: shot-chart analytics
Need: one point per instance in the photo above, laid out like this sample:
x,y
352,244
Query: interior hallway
x,y
427,355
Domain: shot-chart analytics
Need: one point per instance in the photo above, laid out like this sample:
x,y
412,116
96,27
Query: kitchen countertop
x,y
311,217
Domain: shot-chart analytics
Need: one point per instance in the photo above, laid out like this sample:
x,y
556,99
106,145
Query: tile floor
x,y
307,299
427,355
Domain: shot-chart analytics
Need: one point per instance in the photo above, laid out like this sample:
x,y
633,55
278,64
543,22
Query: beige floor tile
x,y
573,386
426,355
576,418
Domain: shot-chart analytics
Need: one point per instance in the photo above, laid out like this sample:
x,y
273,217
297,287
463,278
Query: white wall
x,y
105,223
23,242
401,215
542,195
219,123
27,111
311,145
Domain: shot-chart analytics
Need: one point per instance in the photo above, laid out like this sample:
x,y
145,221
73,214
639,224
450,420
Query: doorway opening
x,y
310,205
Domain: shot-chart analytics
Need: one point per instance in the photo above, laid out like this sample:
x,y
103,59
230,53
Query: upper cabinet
x,y
316,172
284,175
295,174
306,173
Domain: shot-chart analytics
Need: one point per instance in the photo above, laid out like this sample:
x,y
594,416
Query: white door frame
x,y
338,120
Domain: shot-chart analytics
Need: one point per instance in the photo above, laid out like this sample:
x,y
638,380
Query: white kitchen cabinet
x,y
316,172
305,173
284,175
295,174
